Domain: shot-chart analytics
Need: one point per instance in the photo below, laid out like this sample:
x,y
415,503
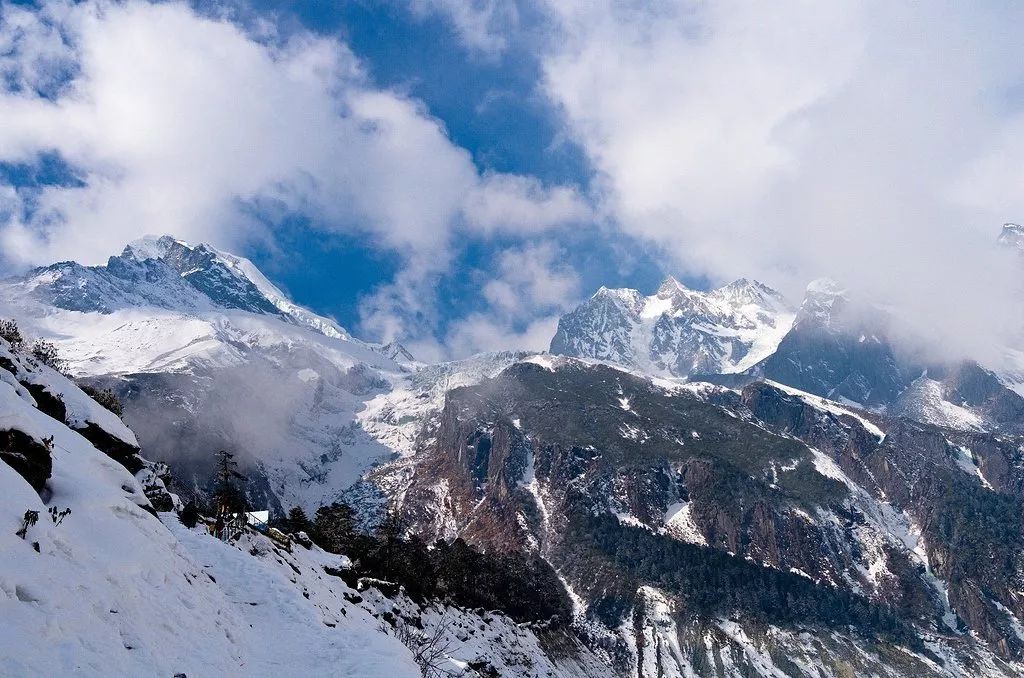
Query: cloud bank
x,y
172,122
876,143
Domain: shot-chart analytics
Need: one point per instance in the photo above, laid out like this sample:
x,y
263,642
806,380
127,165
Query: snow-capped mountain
x,y
798,514
163,272
677,331
207,353
839,347
1012,236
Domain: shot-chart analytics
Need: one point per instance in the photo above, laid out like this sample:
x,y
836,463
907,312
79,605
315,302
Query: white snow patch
x,y
680,524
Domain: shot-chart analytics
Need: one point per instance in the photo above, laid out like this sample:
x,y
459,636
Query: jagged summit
x,y
669,286
825,287
677,331
168,273
1012,235
394,350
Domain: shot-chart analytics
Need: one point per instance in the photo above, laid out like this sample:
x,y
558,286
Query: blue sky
x,y
490,106
458,174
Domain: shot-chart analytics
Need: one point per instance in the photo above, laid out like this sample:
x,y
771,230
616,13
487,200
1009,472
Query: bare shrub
x,y
429,649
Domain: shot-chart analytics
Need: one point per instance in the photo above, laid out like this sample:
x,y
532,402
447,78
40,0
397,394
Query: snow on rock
x,y
678,331
923,401
830,406
81,410
680,524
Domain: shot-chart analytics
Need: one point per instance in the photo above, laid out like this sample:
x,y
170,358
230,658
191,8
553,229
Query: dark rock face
x,y
27,456
839,350
200,267
48,403
583,465
123,453
53,405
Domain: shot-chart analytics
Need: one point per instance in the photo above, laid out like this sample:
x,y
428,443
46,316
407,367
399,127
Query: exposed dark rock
x,y
49,403
31,459
123,453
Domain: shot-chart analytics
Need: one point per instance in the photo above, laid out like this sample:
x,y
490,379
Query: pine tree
x,y
228,498
335,527
390,549
298,521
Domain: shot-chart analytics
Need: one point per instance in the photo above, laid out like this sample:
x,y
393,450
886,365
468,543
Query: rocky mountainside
x,y
843,349
677,331
840,349
699,529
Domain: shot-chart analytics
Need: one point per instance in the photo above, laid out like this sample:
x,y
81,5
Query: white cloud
x,y
179,123
523,292
483,332
526,290
482,25
873,142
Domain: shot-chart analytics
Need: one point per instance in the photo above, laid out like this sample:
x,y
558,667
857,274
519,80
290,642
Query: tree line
x,y
523,587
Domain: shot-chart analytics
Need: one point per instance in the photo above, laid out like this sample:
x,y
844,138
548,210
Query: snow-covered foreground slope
x,y
107,589
112,589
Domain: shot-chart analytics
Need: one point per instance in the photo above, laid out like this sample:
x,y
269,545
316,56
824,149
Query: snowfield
x,y
113,591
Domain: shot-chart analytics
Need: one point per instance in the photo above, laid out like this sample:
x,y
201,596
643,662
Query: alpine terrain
x,y
691,483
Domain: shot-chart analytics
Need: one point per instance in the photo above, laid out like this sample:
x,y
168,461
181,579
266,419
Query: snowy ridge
x,y
678,331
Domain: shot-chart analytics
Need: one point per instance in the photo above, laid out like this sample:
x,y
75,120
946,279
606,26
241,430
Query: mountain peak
x,y
747,291
394,350
825,287
1012,235
165,272
669,287
151,247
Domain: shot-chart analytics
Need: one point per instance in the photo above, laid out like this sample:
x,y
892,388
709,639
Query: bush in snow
x,y
46,352
58,516
9,331
429,650
27,521
106,397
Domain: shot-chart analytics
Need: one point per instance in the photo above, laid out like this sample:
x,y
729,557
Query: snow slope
x,y
109,590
